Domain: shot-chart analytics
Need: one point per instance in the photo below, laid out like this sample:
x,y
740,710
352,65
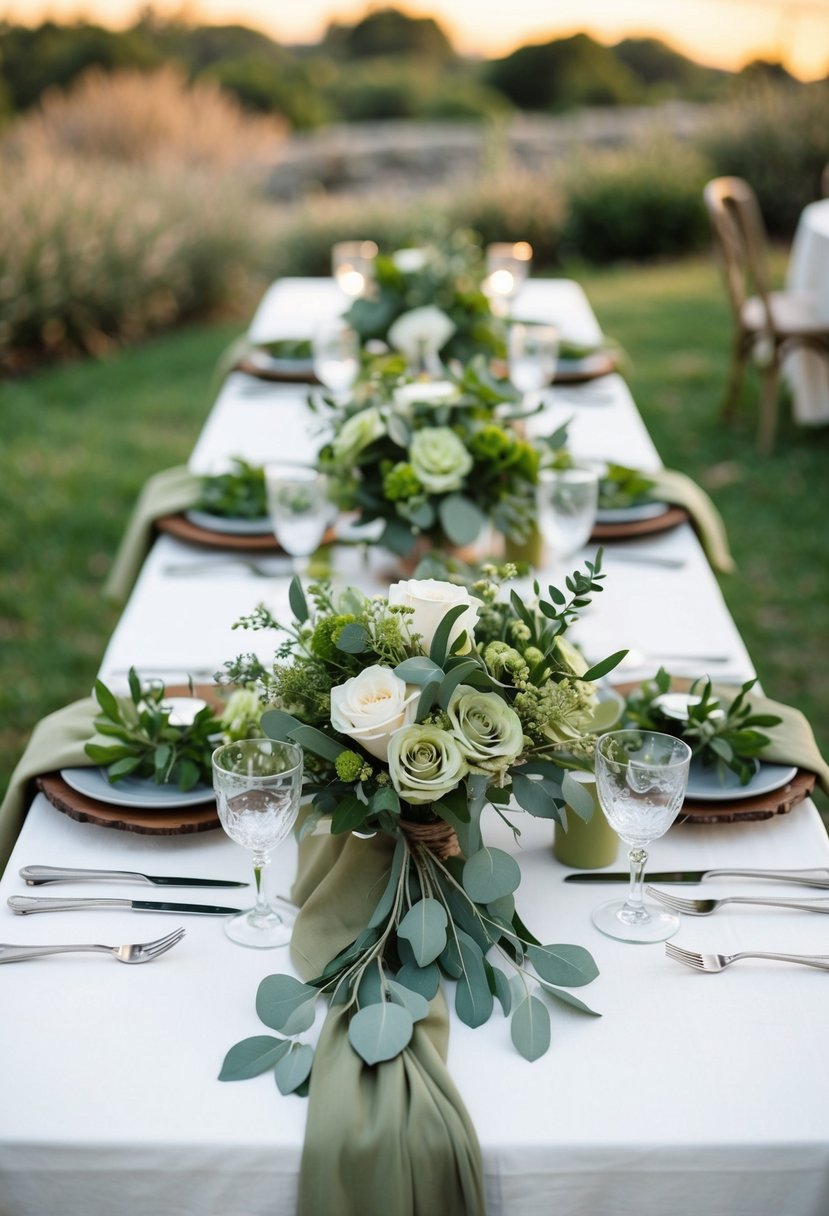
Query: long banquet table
x,y
691,1094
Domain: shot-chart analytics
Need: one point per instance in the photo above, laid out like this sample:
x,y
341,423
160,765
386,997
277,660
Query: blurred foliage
x,y
566,72
389,32
777,138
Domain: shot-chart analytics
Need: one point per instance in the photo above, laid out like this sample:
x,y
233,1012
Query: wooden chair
x,y
767,324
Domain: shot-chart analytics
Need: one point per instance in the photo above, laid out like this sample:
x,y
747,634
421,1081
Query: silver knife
x,y
22,905
37,876
818,877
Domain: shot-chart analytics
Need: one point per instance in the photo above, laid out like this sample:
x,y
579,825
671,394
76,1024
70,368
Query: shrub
x,y
644,202
509,203
778,140
147,118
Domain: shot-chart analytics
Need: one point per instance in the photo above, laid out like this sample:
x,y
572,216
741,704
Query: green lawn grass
x,y
79,442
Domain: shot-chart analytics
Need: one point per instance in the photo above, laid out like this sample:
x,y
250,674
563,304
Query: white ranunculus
x,y
371,706
409,261
356,433
431,599
426,392
439,459
422,331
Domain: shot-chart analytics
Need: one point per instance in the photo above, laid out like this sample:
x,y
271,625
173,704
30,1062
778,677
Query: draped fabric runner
x,y
166,493
681,491
57,742
394,1139
791,741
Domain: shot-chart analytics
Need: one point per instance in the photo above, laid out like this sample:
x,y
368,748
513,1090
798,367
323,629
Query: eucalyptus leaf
x,y
353,638
425,980
578,798
279,997
108,702
601,669
252,1056
370,987
530,1028
499,986
278,725
453,678
568,998
569,965
410,999
294,1068
460,518
315,741
348,816
424,928
386,901
296,598
490,874
380,1032
473,999
440,639
419,670
535,797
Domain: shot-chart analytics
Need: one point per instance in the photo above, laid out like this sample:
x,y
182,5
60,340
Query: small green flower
x,y
326,632
400,482
349,766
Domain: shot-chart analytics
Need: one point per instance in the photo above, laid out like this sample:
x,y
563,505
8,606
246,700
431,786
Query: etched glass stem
x,y
634,908
260,908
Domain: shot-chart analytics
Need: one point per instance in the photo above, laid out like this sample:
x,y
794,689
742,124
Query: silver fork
x,y
704,907
208,566
140,952
719,962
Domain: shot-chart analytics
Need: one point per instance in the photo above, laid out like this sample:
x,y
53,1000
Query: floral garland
x,y
414,712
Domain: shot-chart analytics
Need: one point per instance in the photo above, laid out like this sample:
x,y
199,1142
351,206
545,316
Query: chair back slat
x,y
740,241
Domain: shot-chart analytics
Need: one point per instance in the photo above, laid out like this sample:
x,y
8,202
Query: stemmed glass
x,y
532,352
567,501
336,348
258,784
352,264
641,778
299,507
507,267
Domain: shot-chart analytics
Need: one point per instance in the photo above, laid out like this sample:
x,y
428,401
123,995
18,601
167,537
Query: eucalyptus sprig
x,y
237,494
147,745
726,738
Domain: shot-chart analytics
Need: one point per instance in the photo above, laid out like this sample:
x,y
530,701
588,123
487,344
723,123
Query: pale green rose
x,y
356,433
439,459
425,763
421,331
240,719
487,729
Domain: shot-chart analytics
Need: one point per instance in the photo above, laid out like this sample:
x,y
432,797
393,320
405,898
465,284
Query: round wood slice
x,y
641,527
181,527
579,371
281,375
760,806
202,818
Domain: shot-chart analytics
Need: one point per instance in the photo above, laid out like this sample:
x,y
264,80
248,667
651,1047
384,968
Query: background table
x,y
693,1093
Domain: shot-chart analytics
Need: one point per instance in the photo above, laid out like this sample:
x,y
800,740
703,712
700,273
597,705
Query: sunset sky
x,y
722,33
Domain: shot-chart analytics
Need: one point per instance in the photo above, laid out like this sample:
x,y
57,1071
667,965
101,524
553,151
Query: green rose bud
x,y
240,719
356,433
488,730
439,459
425,763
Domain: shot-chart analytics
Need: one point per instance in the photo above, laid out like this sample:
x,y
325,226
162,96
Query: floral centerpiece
x,y
415,711
438,459
428,302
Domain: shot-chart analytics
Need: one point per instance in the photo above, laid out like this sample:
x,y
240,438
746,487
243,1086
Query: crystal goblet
x,y
641,778
258,785
567,501
299,507
336,348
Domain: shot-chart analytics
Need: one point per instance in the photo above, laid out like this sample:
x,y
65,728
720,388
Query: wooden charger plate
x,y
263,369
170,822
751,808
669,519
181,527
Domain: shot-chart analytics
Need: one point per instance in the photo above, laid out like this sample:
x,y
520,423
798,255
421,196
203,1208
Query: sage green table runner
x,y
394,1139
791,741
57,742
166,493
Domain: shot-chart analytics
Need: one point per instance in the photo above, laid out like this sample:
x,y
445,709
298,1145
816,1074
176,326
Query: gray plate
x,y
630,515
705,786
133,791
230,526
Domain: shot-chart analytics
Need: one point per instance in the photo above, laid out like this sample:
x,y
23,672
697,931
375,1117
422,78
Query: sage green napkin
x,y
680,491
166,493
394,1139
790,742
57,742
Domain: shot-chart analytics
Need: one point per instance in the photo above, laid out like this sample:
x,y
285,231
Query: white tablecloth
x,y
806,371
691,1094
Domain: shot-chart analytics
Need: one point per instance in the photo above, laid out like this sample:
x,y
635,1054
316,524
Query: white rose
x,y
421,331
371,706
356,433
409,261
426,392
431,599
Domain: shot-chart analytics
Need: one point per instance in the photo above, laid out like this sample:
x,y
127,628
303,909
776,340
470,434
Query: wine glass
x,y
567,501
641,777
507,266
258,784
336,348
352,264
299,506
532,351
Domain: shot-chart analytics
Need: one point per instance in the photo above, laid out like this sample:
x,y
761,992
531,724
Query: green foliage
x,y
388,32
146,744
642,203
565,72
777,138
239,494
